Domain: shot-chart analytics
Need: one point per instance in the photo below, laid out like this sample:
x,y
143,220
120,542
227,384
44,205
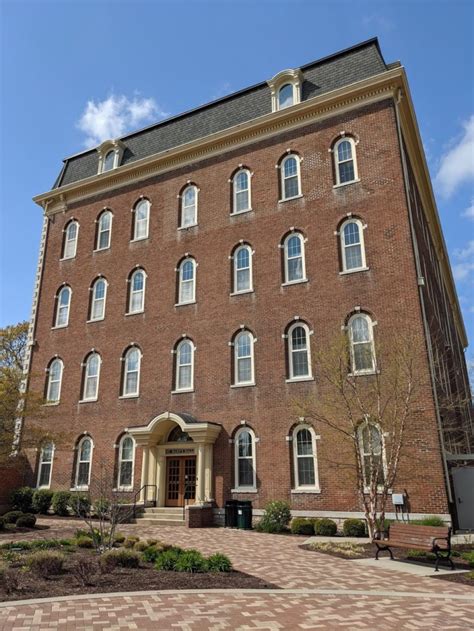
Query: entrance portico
x,y
177,458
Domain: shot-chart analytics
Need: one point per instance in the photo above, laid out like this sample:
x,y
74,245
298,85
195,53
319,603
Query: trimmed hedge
x,y
325,527
26,521
46,563
119,558
60,503
302,526
354,528
276,517
12,516
42,500
219,563
22,499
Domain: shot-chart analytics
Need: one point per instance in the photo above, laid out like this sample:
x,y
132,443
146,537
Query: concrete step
x,y
163,510
146,521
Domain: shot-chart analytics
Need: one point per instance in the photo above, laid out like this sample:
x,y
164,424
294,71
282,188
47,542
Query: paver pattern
x,y
384,599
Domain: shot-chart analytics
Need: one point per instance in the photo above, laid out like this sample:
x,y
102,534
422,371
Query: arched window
x,y
109,161
242,264
178,436
299,353
187,281
45,466
352,245
189,206
245,469
71,233
345,161
290,177
131,372
244,372
304,458
63,303
361,340
372,453
141,220
184,365
104,230
294,258
91,377
136,298
285,96
98,298
126,462
241,192
84,461
55,376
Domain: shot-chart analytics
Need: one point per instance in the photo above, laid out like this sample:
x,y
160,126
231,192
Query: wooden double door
x,y
180,480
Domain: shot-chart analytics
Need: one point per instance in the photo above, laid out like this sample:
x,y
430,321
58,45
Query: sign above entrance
x,y
179,450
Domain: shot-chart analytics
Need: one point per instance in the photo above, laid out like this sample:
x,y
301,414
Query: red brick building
x,y
188,270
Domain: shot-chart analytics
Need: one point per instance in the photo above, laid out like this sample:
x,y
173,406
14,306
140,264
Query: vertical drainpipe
x,y
422,302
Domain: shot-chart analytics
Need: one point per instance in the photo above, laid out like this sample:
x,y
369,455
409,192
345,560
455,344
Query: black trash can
x,y
231,514
244,515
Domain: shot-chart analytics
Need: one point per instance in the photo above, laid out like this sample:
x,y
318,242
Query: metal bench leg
x,y
381,549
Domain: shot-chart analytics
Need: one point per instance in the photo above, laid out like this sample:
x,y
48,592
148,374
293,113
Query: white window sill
x,y
295,282
123,489
241,293
99,319
132,313
129,396
346,183
289,199
296,379
353,271
243,385
184,304
79,488
44,486
184,391
50,404
306,490
67,258
101,249
241,212
191,225
60,326
139,239
88,400
363,373
245,490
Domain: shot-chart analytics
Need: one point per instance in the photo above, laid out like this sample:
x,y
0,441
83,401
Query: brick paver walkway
x,y
321,592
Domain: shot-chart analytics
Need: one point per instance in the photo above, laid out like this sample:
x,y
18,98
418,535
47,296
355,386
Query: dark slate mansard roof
x,y
327,74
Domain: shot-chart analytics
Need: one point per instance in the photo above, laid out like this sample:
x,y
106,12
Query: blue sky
x,y
73,72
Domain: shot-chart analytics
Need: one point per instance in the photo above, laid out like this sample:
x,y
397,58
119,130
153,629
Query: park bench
x,y
436,539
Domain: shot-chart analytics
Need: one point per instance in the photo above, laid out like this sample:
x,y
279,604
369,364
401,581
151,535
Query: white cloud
x,y
115,116
465,265
469,212
457,164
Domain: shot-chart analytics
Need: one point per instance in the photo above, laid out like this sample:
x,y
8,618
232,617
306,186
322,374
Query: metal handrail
x,y
137,494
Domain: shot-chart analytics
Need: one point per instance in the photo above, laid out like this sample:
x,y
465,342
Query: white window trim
x,y
65,241
234,192
180,281
247,247
303,259
354,160
84,390
136,393
282,177
83,487
131,292
251,382
291,76
60,380
177,389
292,378
245,489
58,307
104,149
93,299
360,429
343,246
135,221
38,477
305,488
368,371
99,231
130,486
196,207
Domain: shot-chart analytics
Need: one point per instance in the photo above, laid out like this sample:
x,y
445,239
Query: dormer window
x,y
286,89
110,155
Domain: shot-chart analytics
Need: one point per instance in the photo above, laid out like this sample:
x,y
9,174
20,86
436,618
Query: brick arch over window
x,y
344,158
241,267
186,277
350,235
293,256
54,378
136,290
130,371
90,380
103,229
303,440
288,169
83,456
183,364
70,238
97,298
297,338
244,442
62,306
240,182
188,206
359,325
242,357
141,219
124,465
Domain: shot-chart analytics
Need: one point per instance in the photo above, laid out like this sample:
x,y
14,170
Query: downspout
x,y
422,302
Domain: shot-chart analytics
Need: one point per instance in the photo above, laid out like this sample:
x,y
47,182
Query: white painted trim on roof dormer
x,y
117,146
290,77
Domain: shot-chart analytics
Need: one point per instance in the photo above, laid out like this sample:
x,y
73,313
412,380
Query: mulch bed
x,y
123,580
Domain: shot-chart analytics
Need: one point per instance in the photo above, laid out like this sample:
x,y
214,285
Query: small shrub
x,y
17,545
432,520
140,546
60,503
354,528
45,544
83,541
21,499
219,563
9,579
167,559
2,523
26,521
152,542
325,527
302,526
46,563
469,557
12,516
130,541
80,504
119,537
42,500
191,561
67,542
119,558
83,570
151,553
276,517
